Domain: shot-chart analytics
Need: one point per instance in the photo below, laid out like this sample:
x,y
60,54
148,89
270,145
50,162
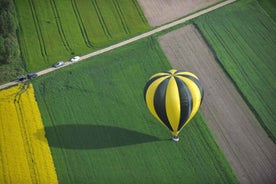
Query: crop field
x,y
57,30
223,109
88,122
24,151
164,11
246,50
269,6
100,131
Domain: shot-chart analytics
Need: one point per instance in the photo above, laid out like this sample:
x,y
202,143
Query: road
x,y
144,35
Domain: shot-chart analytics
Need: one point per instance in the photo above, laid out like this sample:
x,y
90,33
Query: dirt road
x,y
249,150
159,29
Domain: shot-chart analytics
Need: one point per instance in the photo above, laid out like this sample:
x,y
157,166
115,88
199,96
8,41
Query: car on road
x,y
76,58
31,75
58,64
21,78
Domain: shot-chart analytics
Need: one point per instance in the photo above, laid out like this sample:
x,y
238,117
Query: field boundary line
x,y
141,14
131,40
38,29
81,25
121,15
59,26
157,30
101,19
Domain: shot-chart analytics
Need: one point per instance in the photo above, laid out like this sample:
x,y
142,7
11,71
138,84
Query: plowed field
x,y
163,11
247,147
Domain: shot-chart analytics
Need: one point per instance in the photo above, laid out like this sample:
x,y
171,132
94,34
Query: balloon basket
x,y
175,138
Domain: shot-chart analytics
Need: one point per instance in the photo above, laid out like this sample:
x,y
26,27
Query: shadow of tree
x,y
73,136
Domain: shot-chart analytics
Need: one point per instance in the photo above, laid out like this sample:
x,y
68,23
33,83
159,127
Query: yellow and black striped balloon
x,y
173,97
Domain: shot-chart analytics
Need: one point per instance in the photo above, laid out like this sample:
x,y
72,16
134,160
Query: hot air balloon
x,y
173,97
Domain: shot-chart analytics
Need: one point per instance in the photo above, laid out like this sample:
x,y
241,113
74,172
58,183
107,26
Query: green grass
x,y
270,7
9,72
243,38
57,30
100,130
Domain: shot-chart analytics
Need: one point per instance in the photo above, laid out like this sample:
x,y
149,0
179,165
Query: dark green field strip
x,y
100,131
246,49
270,7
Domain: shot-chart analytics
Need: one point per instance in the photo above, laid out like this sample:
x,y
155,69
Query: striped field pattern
x,y
58,30
245,49
25,156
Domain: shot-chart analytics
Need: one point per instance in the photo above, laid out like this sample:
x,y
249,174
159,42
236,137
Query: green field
x,y
100,130
57,30
270,7
243,38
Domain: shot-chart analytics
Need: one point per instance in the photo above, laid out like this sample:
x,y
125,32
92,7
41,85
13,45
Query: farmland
x,y
24,151
164,11
246,50
57,30
93,112
100,131
269,6
223,108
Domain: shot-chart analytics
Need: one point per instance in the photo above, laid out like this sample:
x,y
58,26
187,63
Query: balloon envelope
x,y
173,97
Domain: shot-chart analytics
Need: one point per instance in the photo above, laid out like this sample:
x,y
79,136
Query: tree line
x,y
9,47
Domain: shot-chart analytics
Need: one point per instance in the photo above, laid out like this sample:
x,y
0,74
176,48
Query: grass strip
x,y
245,48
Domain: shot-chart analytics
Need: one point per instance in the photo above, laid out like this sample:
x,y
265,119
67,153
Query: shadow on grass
x,y
74,136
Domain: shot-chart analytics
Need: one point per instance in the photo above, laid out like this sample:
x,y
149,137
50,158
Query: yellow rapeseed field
x,y
25,155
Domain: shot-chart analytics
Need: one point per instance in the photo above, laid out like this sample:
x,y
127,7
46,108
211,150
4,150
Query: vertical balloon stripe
x,y
148,85
152,79
185,101
196,81
172,101
196,95
150,93
160,103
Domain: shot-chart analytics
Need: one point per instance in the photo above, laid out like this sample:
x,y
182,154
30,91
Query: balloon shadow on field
x,y
73,136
